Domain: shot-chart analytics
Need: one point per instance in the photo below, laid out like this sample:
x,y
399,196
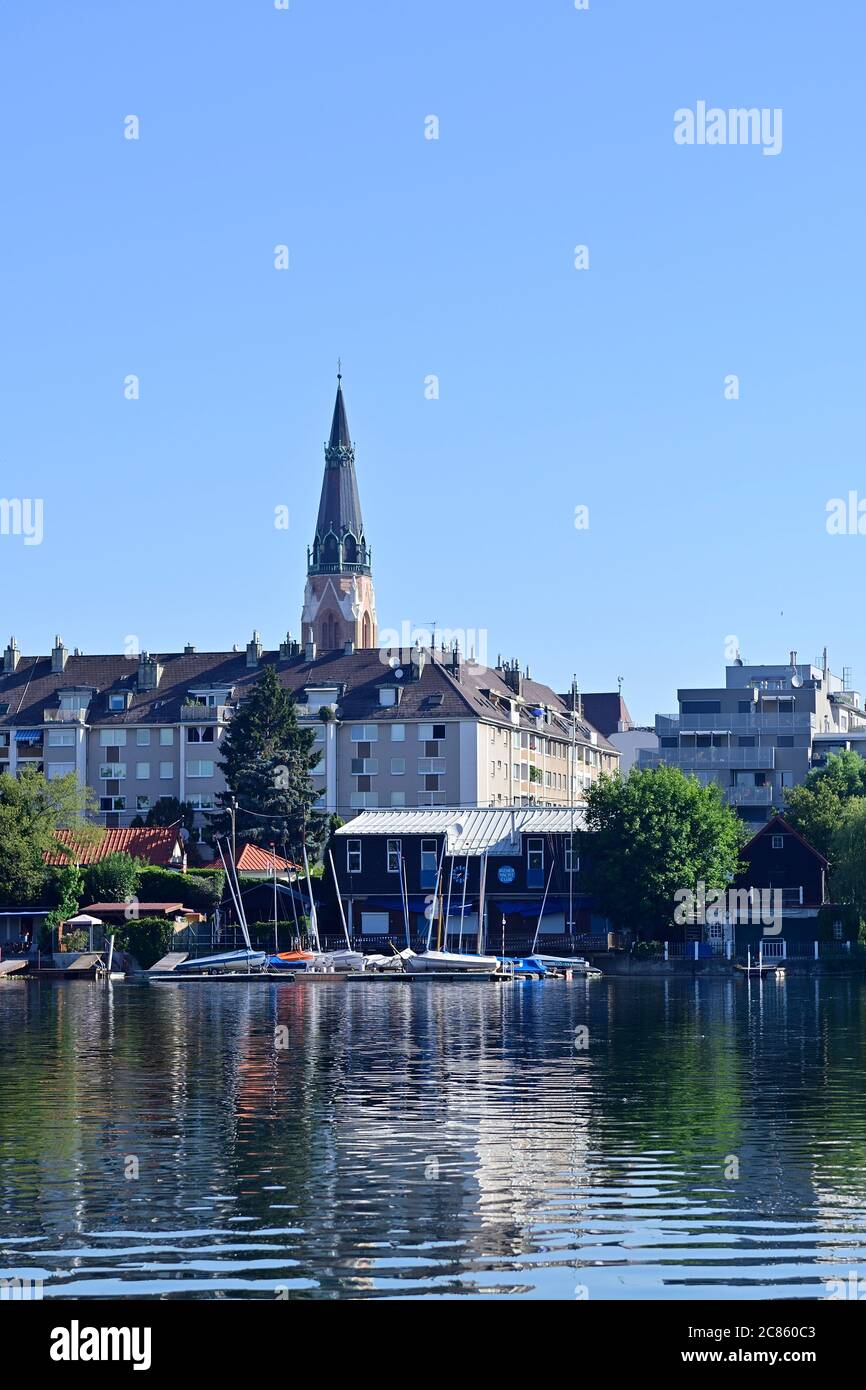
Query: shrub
x,y
146,938
199,889
112,879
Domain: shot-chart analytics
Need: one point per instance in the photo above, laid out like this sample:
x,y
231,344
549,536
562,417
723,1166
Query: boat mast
x,y
571,806
340,902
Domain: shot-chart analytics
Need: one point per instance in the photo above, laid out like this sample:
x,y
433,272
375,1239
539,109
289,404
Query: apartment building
x,y
410,728
761,733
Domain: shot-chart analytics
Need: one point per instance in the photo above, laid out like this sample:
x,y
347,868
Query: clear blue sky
x,y
411,257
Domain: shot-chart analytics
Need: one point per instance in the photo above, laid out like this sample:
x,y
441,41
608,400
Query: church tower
x,y
339,603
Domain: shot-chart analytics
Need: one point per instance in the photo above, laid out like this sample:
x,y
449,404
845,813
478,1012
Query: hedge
x,y
200,890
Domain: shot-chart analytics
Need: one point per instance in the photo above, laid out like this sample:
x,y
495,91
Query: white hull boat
x,y
449,962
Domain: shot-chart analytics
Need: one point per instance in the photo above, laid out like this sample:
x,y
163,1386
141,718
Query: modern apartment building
x,y
761,732
415,728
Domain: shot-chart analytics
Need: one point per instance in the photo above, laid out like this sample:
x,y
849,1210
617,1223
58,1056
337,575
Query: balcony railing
x,y
751,796
64,716
667,724
687,758
205,714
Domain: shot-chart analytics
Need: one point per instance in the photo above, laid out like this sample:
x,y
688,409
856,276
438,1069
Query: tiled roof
x,y
252,859
157,844
604,711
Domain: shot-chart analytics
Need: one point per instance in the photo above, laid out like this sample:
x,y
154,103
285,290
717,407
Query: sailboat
x,y
432,962
228,962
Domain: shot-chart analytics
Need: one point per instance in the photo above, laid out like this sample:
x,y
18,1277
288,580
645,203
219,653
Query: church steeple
x,y
339,604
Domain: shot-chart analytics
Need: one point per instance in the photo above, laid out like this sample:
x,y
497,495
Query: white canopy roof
x,y
495,829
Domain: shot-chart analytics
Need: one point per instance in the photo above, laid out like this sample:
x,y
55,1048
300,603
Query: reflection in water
x,y
433,1139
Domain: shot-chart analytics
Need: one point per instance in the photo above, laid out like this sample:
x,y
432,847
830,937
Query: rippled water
x,y
434,1139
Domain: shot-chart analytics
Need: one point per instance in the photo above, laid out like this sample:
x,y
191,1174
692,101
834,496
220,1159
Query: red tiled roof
x,y
252,859
158,844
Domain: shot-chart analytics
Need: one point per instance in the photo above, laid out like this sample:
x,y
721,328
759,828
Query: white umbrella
x,y
85,920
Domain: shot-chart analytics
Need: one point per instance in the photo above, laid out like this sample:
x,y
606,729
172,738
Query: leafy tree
x,y
70,890
817,807
32,809
169,811
651,834
267,761
114,878
848,856
146,938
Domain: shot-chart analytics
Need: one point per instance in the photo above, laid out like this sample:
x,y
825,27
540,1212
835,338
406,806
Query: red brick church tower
x,y
339,603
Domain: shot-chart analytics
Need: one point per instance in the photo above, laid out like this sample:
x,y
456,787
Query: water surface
x,y
431,1139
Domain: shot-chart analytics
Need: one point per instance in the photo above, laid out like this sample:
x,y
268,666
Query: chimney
x,y
512,677
289,649
310,651
419,657
456,662
189,649
11,657
254,650
59,656
149,672
348,647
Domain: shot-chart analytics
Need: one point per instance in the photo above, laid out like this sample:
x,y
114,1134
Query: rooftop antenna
x,y
339,369
619,681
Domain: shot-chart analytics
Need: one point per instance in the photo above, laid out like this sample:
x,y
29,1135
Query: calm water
x,y
433,1140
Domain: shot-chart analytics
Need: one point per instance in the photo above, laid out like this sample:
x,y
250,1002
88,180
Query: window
x,y
428,732
142,738
431,765
398,767
117,702
387,695
142,771
61,738
359,800
428,863
534,862
194,734
363,784
394,855
201,801
701,707
112,772
353,856
112,803
432,783
166,771
572,861
398,798
364,733
55,770
744,706
746,741
142,803
199,768
112,738
398,733
778,842
166,737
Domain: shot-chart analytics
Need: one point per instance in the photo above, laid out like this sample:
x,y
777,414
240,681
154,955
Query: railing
x,y
708,757
750,796
667,724
205,714
64,716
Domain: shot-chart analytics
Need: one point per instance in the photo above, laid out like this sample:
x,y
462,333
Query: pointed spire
x,y
340,438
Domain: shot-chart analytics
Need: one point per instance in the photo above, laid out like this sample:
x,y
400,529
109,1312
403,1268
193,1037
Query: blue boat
x,y
525,967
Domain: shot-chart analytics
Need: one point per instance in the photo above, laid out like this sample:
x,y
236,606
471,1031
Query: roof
x,y
158,844
440,693
252,859
143,909
471,832
340,504
778,823
605,711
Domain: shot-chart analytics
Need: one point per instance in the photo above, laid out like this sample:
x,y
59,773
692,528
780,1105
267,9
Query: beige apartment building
x,y
417,728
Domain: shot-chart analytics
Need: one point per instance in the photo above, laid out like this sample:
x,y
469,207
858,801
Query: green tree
x,y
848,857
169,811
70,890
32,810
817,807
653,833
114,878
267,759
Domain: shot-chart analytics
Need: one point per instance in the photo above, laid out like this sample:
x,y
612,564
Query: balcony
x,y
691,758
750,796
757,723
64,716
192,713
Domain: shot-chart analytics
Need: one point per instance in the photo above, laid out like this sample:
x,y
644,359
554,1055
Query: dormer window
x,y
116,703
